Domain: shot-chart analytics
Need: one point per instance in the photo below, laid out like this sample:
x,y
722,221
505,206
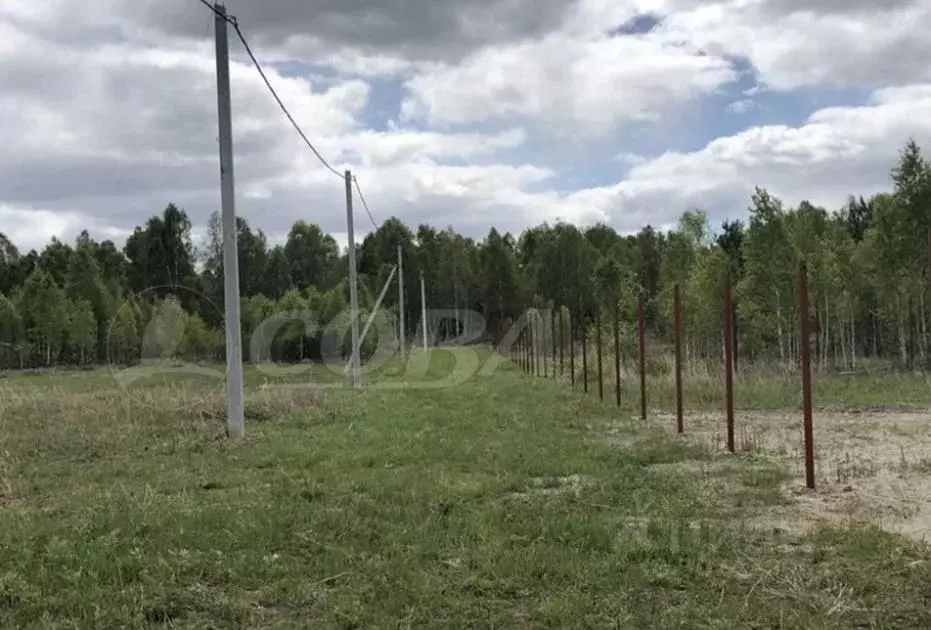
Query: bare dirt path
x,y
870,466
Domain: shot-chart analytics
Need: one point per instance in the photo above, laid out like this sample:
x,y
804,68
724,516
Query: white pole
x,y
381,296
235,422
423,310
353,294
401,342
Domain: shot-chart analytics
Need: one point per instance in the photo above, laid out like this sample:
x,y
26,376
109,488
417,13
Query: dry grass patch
x,y
871,466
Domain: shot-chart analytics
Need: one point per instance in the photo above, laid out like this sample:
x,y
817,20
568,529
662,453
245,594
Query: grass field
x,y
494,501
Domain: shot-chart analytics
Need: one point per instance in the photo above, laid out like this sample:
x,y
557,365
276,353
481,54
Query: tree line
x,y
90,302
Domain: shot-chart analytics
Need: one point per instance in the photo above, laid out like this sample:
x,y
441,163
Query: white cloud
x,y
31,228
742,106
804,43
376,149
838,151
582,86
120,131
108,111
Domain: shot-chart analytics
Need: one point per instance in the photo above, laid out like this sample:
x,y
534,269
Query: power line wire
x,y
364,203
255,62
284,109
229,18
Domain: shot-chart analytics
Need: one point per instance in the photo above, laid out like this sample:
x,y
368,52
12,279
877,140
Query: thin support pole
x,y
520,350
381,297
527,343
553,339
572,348
423,310
532,341
402,343
804,346
523,348
538,345
735,335
641,333
584,353
617,354
601,387
544,344
677,299
561,340
729,360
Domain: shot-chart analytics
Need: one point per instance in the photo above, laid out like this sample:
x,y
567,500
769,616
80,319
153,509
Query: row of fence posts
x,y
530,354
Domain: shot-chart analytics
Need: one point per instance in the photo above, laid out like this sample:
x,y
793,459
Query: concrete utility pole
x,y
423,311
401,342
353,293
235,422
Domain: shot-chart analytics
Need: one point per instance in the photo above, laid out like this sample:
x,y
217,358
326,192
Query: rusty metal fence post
x,y
561,343
804,347
617,353
641,325
529,331
584,353
553,339
601,387
677,306
572,347
533,348
729,361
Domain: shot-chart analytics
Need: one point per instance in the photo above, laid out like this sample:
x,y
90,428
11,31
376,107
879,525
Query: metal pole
x,y
423,310
527,344
520,349
601,387
641,325
523,350
572,348
532,344
561,340
729,360
401,341
523,346
678,325
736,334
584,353
553,338
804,343
235,420
617,353
353,290
515,349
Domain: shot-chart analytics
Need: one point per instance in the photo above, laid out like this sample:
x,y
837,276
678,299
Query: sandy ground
x,y
870,466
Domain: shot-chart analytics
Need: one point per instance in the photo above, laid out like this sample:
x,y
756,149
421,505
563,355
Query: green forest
x,y
88,303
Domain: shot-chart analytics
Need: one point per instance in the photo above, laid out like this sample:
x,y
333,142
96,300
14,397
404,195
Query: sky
x,y
458,113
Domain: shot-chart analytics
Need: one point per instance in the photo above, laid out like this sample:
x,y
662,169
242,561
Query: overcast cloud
x,y
467,113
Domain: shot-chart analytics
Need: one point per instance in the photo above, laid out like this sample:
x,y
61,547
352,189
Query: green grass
x,y
503,501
